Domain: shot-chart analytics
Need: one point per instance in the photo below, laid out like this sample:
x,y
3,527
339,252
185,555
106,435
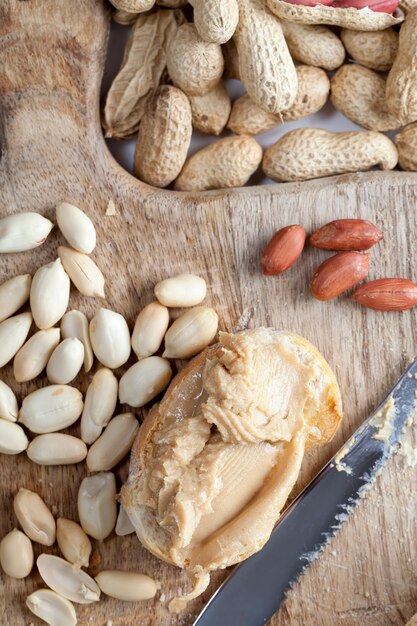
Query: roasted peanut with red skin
x,y
283,250
346,234
339,273
387,294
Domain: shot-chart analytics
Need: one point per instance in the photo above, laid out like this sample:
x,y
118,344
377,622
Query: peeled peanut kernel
x,y
110,338
82,270
16,554
128,586
73,542
9,409
190,333
12,438
51,408
183,291
13,294
34,355
144,381
150,328
76,227
23,231
52,608
34,517
113,444
49,294
100,403
56,449
13,333
75,324
97,508
123,525
71,582
65,361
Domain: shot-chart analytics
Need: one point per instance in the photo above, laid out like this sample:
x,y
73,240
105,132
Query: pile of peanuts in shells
x,y
62,351
292,58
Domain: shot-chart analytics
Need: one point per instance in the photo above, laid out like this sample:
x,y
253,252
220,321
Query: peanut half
x,y
16,554
194,65
83,271
150,328
49,294
128,586
9,409
110,338
97,508
123,525
65,361
183,290
23,231
76,227
113,445
307,153
51,408
265,64
13,333
99,405
13,439
164,137
34,517
63,578
359,93
13,294
144,381
339,273
34,355
75,324
347,17
73,542
229,162
191,332
56,449
52,608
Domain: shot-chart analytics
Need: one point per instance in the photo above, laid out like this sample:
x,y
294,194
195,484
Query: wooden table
x,y
53,150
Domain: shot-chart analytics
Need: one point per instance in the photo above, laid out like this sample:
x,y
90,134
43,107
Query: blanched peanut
x,y
34,516
16,554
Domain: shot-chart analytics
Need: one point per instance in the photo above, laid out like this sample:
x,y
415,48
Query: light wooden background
x,y
52,150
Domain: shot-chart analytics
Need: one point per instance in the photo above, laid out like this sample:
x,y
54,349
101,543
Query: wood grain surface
x,y
52,150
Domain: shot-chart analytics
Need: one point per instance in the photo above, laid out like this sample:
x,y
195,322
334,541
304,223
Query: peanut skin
x,y
307,153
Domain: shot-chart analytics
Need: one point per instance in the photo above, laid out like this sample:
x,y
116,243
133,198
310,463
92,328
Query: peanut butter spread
x,y
216,460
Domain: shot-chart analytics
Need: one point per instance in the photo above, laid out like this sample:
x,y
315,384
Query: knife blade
x,y
256,587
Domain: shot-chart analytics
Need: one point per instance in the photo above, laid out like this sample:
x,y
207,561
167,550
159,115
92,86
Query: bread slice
x,y
215,461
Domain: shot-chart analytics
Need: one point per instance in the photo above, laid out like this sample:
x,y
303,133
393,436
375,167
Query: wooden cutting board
x,y
52,55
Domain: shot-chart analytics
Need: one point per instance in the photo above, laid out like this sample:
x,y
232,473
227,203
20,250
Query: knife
x,y
255,589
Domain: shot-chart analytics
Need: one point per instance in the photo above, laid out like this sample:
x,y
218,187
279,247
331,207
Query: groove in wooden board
x,y
53,150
